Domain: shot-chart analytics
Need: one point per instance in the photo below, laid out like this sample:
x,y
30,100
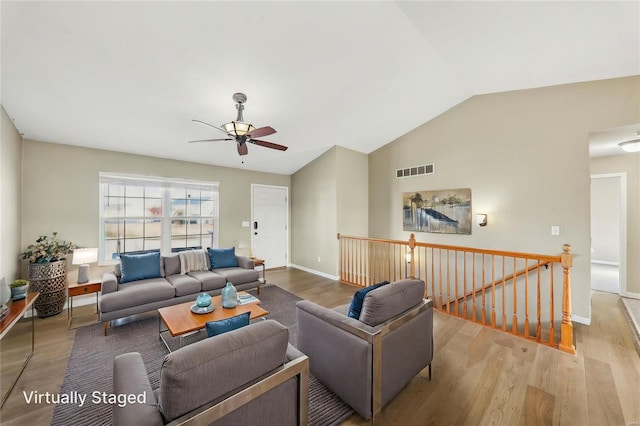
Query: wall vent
x,y
426,169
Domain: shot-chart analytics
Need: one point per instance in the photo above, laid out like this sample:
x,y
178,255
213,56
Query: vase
x,y
203,300
18,293
229,296
50,280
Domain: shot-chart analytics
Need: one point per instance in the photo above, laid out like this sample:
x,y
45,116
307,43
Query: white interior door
x,y
269,224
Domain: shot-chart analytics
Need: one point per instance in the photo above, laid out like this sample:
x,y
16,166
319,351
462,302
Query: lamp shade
x,y
84,256
238,128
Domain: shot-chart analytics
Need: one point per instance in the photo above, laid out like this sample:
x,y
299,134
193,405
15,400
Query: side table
x,y
75,289
260,262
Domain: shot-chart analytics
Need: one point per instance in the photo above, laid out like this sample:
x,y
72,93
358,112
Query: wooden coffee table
x,y
181,322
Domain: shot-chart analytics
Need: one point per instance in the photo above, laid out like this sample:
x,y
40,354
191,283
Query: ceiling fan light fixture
x,y
630,146
238,128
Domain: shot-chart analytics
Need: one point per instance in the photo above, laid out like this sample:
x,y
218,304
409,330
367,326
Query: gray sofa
x,y
121,300
367,361
242,377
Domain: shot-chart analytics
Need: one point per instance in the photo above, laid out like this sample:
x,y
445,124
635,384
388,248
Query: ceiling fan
x,y
243,132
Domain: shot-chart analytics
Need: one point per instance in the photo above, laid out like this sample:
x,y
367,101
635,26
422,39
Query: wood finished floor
x,y
480,376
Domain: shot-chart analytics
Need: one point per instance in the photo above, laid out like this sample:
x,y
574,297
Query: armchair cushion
x,y
218,365
222,326
356,303
387,301
222,258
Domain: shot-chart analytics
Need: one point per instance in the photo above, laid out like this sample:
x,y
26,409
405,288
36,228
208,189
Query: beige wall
x,y
629,164
10,204
314,215
352,182
329,195
524,154
60,190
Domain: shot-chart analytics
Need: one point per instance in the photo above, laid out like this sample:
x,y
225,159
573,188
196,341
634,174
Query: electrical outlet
x,y
555,230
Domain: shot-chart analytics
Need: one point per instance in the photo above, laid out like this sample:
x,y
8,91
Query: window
x,y
140,214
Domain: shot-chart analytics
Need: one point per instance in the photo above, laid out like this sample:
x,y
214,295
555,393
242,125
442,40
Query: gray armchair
x,y
366,362
230,379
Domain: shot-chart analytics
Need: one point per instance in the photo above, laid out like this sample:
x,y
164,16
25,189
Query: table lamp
x,y
83,257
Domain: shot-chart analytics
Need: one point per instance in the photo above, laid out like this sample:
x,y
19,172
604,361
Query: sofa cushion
x,y
209,280
386,302
356,303
184,284
203,371
139,266
171,264
238,276
222,326
137,293
222,257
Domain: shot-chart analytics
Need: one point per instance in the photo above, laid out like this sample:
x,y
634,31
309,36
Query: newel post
x,y
412,265
566,328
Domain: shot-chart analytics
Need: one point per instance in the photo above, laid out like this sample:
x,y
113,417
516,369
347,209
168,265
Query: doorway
x,y
270,224
608,232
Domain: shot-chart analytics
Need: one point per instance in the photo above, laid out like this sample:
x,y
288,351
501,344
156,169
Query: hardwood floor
x,y
480,376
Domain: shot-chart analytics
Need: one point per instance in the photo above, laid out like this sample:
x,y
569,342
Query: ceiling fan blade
x,y
210,125
269,144
262,131
243,149
212,140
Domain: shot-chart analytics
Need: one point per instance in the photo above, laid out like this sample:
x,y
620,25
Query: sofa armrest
x,y
109,283
245,262
130,378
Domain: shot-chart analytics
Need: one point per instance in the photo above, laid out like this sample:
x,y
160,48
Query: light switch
x,y
245,223
555,230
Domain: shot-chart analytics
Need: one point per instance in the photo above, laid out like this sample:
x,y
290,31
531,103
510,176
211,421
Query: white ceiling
x,y
130,76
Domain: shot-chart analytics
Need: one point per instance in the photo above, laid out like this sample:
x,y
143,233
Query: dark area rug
x,y
90,367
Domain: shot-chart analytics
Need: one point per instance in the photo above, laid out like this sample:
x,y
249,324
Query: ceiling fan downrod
x,y
240,99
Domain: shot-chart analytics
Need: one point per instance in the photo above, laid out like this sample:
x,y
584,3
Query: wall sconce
x,y
481,219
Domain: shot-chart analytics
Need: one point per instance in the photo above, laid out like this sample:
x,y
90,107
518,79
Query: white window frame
x,y
166,185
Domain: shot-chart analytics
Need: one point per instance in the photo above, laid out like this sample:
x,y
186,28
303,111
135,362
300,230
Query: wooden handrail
x,y
536,256
471,282
502,281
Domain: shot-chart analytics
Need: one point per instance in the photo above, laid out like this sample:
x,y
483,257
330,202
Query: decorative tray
x,y
202,309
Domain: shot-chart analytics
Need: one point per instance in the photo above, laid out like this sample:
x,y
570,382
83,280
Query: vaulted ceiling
x,y
130,76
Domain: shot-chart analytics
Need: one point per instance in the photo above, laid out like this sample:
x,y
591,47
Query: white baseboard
x,y
580,320
631,295
313,271
605,262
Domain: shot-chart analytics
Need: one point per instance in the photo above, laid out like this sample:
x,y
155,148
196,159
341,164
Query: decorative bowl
x,y
202,309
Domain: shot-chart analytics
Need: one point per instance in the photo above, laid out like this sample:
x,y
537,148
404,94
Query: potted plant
x,y
19,289
48,272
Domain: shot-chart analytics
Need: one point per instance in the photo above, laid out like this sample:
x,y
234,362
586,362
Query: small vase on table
x,y
229,296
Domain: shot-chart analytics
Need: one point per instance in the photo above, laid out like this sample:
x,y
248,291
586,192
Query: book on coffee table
x,y
245,298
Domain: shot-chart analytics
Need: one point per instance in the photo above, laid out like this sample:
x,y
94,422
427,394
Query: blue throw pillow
x,y
139,266
223,258
222,326
358,299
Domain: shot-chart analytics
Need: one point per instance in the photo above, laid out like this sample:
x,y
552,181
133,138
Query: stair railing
x,y
510,291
